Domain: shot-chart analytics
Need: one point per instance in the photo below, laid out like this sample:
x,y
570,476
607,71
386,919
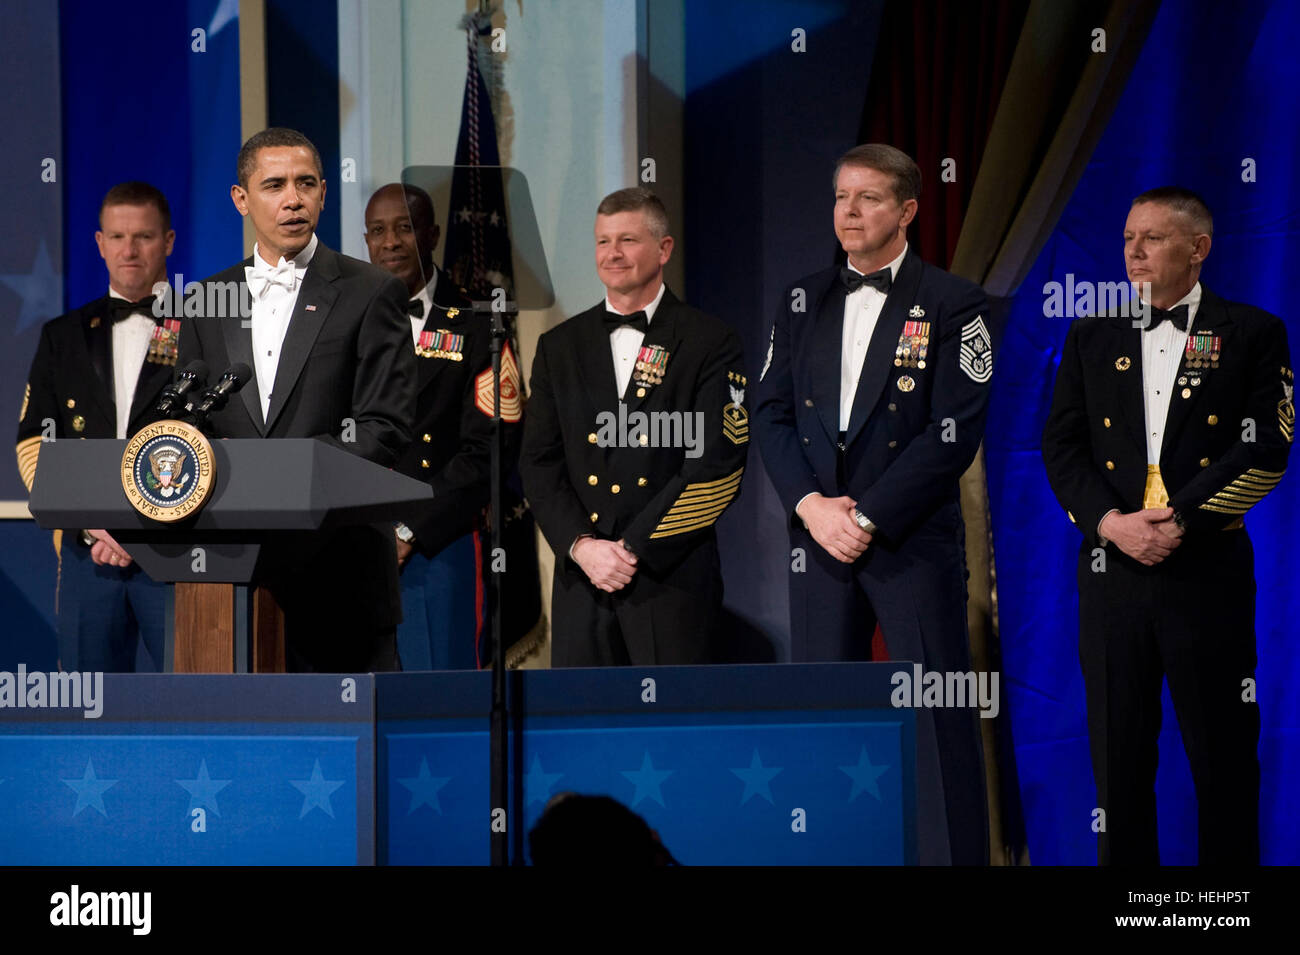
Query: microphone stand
x,y
498,731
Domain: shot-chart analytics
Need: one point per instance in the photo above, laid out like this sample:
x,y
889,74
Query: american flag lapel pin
x,y
311,308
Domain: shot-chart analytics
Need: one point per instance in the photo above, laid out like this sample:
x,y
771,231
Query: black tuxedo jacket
x,y
1227,436
71,383
347,356
912,431
661,502
452,443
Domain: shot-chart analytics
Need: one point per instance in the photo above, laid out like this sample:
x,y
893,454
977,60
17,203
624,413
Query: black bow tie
x,y
637,320
415,308
1177,315
120,308
880,279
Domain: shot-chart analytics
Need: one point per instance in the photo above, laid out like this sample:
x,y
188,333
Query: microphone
x,y
192,377
232,379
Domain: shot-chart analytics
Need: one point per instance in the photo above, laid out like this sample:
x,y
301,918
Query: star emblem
x,y
756,779
41,290
203,790
864,776
424,788
90,790
537,784
647,780
316,791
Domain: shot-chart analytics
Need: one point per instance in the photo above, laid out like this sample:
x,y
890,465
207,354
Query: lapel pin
x,y
1122,363
311,308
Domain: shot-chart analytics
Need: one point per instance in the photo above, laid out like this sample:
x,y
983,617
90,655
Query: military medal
x,y
440,344
912,345
651,363
1203,350
163,346
905,383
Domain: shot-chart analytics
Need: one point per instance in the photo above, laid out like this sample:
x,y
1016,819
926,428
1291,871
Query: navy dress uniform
x,y
589,469
916,423
1189,618
71,394
442,580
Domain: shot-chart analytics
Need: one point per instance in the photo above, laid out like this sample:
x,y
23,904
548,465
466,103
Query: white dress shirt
x,y
625,342
424,297
1162,353
131,337
861,312
272,311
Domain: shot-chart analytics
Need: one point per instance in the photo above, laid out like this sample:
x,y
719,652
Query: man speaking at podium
x,y
329,345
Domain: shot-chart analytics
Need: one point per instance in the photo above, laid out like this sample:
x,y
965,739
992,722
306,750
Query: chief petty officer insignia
x,y
651,363
441,343
912,345
735,419
976,358
1286,407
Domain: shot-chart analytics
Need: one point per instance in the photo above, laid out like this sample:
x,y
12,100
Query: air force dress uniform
x,y
98,373
897,443
442,586
611,464
1225,378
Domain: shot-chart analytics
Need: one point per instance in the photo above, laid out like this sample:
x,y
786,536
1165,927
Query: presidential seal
x,y
168,471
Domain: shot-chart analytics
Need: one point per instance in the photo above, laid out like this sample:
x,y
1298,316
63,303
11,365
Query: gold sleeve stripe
x,y
1256,472
1252,484
1223,510
707,501
28,450
713,512
1230,500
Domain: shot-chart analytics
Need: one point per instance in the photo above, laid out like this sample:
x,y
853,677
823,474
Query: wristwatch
x,y
88,538
863,521
404,533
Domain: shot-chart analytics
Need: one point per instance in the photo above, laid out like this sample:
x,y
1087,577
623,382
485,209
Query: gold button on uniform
x,y
1205,462
893,407
1213,419
641,482
591,438
594,517
1110,465
424,463
893,444
72,403
1187,392
1106,422
808,402
78,423
614,489
427,438
645,439
640,392
592,480
1070,515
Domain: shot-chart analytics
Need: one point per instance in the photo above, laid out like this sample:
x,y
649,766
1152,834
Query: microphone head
x,y
239,373
196,370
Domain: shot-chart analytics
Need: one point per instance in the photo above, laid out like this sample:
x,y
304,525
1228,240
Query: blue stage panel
x,y
180,770
721,782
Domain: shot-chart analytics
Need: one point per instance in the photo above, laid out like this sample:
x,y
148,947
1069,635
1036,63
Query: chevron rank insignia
x,y
976,356
1286,412
735,419
512,408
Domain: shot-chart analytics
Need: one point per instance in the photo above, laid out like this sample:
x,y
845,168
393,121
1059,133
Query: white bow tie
x,y
261,276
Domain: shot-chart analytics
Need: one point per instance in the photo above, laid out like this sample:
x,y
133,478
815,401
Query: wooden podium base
x,y
208,629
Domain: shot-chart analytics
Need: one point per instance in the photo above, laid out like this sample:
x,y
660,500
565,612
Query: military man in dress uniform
x,y
442,579
1165,429
872,403
634,446
98,373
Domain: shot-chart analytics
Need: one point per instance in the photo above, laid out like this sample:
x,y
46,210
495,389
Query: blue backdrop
x,y
1208,92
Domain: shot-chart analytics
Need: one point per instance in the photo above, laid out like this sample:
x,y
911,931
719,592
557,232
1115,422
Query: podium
x,y
265,490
